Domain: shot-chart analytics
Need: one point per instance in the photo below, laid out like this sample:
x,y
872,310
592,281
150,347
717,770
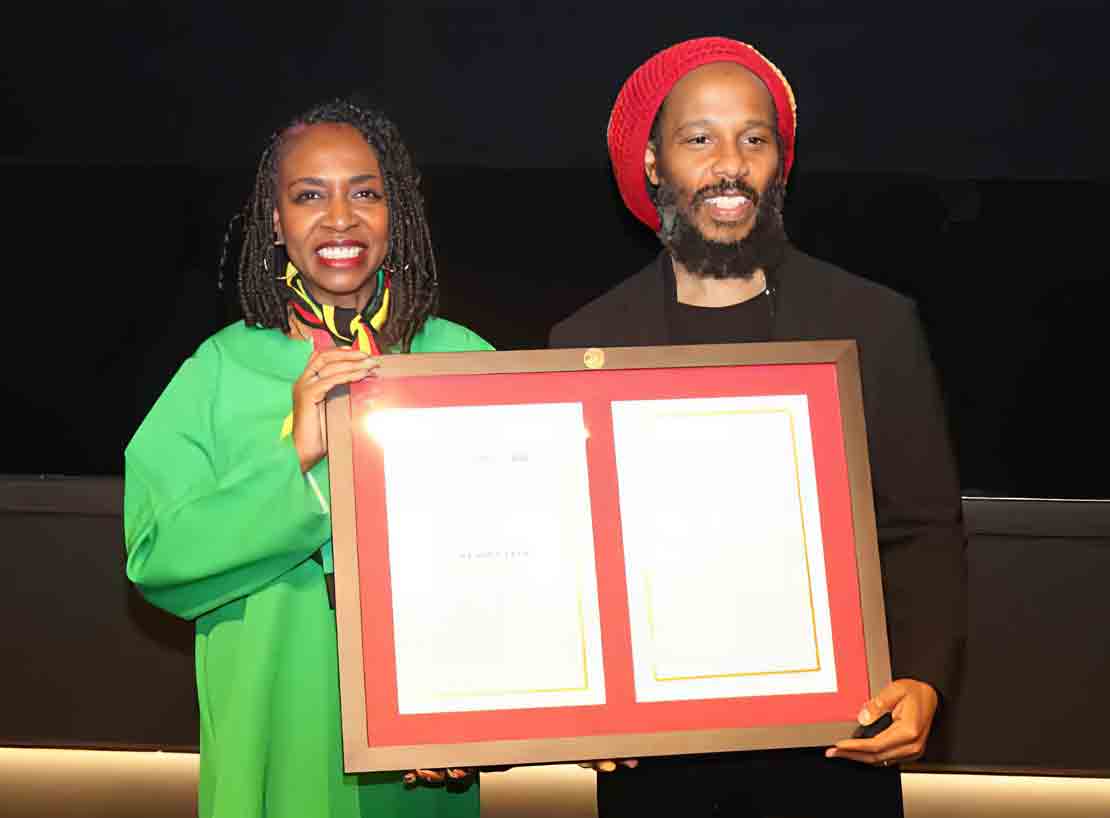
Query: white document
x,y
491,557
723,551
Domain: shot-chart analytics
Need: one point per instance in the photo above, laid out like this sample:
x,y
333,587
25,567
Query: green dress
x,y
220,526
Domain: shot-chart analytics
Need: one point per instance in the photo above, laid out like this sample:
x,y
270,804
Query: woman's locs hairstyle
x,y
410,263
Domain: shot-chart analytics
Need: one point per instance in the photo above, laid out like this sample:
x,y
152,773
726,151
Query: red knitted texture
x,y
640,97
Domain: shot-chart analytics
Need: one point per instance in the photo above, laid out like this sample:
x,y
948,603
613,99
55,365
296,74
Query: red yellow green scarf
x,y
345,325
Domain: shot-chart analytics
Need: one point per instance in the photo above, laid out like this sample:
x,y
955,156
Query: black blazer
x,y
917,498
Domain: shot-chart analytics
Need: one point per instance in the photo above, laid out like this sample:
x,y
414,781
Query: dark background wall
x,y
953,151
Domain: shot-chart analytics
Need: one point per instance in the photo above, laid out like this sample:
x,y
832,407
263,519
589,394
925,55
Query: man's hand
x,y
607,766
912,705
436,778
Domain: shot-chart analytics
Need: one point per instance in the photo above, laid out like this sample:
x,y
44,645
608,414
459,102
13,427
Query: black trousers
x,y
771,784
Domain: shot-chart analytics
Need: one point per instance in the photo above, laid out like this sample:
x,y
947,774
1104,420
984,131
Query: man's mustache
x,y
734,188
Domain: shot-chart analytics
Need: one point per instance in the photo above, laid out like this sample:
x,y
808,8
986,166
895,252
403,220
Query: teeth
x,y
728,202
339,252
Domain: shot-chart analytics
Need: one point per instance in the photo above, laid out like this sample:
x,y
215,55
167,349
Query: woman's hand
x,y
435,778
912,705
325,370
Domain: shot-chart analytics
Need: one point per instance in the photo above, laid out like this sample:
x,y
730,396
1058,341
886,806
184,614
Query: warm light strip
x,y
64,783
71,783
956,795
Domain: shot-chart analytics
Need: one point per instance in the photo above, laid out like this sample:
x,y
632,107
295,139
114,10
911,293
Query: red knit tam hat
x,y
640,97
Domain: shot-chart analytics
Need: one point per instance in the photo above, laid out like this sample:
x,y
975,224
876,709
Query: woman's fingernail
x,y
607,766
864,716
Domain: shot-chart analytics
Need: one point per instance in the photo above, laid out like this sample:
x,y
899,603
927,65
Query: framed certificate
x,y
570,554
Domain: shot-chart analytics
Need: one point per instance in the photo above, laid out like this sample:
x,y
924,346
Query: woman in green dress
x,y
226,508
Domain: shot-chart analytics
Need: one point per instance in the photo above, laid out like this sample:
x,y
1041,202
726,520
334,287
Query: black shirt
x,y
748,321
737,324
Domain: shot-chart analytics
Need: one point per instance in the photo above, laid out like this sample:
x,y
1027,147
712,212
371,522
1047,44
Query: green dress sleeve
x,y
200,534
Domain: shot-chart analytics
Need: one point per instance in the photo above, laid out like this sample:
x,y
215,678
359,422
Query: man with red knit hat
x,y
701,139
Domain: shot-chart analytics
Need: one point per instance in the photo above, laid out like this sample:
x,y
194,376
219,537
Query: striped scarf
x,y
346,326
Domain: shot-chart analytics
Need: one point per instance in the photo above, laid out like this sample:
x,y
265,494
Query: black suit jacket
x,y
917,498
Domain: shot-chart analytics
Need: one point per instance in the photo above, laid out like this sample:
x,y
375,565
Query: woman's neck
x,y
348,301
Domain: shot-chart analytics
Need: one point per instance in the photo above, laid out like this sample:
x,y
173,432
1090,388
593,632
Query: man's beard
x,y
762,248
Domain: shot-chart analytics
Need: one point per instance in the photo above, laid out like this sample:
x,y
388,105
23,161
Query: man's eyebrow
x,y
751,123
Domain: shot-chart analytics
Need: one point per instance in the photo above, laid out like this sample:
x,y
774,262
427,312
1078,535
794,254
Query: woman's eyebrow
x,y
308,180
316,180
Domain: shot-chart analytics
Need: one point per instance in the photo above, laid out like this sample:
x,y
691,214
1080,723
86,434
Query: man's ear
x,y
278,237
650,164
